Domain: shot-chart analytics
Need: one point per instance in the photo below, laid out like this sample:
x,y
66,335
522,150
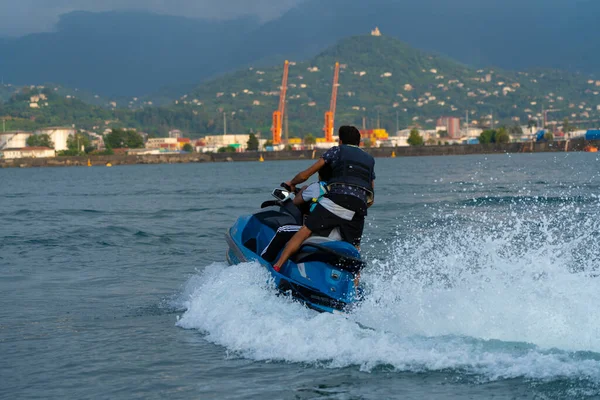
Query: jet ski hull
x,y
321,274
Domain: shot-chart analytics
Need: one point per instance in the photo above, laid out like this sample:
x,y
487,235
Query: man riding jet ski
x,y
306,200
321,271
350,194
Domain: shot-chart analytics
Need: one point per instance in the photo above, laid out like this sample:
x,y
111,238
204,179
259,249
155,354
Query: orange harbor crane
x,y
330,115
278,115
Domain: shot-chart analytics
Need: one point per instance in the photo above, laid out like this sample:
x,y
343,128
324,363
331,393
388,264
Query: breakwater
x,y
562,146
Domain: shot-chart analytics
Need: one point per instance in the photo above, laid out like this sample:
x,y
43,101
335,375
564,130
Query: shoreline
x,y
575,145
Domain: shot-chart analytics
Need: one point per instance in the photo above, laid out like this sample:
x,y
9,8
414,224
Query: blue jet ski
x,y
321,274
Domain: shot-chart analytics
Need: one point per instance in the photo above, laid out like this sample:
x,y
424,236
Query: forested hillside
x,y
381,79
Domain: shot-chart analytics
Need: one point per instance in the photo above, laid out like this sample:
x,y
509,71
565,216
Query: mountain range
x,y
383,82
122,53
137,54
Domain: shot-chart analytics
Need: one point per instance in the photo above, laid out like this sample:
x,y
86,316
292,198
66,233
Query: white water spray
x,y
502,293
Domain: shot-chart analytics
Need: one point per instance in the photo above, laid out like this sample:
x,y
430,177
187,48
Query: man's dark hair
x,y
349,135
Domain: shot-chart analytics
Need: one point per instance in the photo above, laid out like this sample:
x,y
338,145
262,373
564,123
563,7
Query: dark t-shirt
x,y
331,157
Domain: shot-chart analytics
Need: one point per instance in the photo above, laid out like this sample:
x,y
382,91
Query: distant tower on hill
x,y
376,32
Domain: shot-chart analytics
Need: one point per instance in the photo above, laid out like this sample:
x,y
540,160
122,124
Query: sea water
x,y
483,280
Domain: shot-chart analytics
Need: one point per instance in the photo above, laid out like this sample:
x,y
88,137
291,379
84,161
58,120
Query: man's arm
x,y
298,199
307,173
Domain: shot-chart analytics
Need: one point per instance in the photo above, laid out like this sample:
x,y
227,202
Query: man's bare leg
x,y
292,246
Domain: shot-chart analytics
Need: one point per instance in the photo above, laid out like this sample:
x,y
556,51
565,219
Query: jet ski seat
x,y
308,253
301,255
334,236
274,219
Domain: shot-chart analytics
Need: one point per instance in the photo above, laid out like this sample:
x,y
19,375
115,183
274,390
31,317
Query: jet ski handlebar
x,y
282,196
289,189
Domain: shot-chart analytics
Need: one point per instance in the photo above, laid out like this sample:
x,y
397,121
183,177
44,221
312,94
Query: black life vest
x,y
355,168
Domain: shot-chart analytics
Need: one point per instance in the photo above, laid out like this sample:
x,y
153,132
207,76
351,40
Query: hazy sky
x,y
19,17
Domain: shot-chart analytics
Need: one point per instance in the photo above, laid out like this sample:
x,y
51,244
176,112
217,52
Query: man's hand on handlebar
x,y
288,185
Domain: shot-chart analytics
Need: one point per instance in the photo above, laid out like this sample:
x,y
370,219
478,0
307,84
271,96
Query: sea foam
x,y
496,293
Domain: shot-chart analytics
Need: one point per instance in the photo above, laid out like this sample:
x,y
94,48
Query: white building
x,y
142,152
162,143
471,132
58,135
402,138
212,144
323,145
215,142
394,141
13,139
28,152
